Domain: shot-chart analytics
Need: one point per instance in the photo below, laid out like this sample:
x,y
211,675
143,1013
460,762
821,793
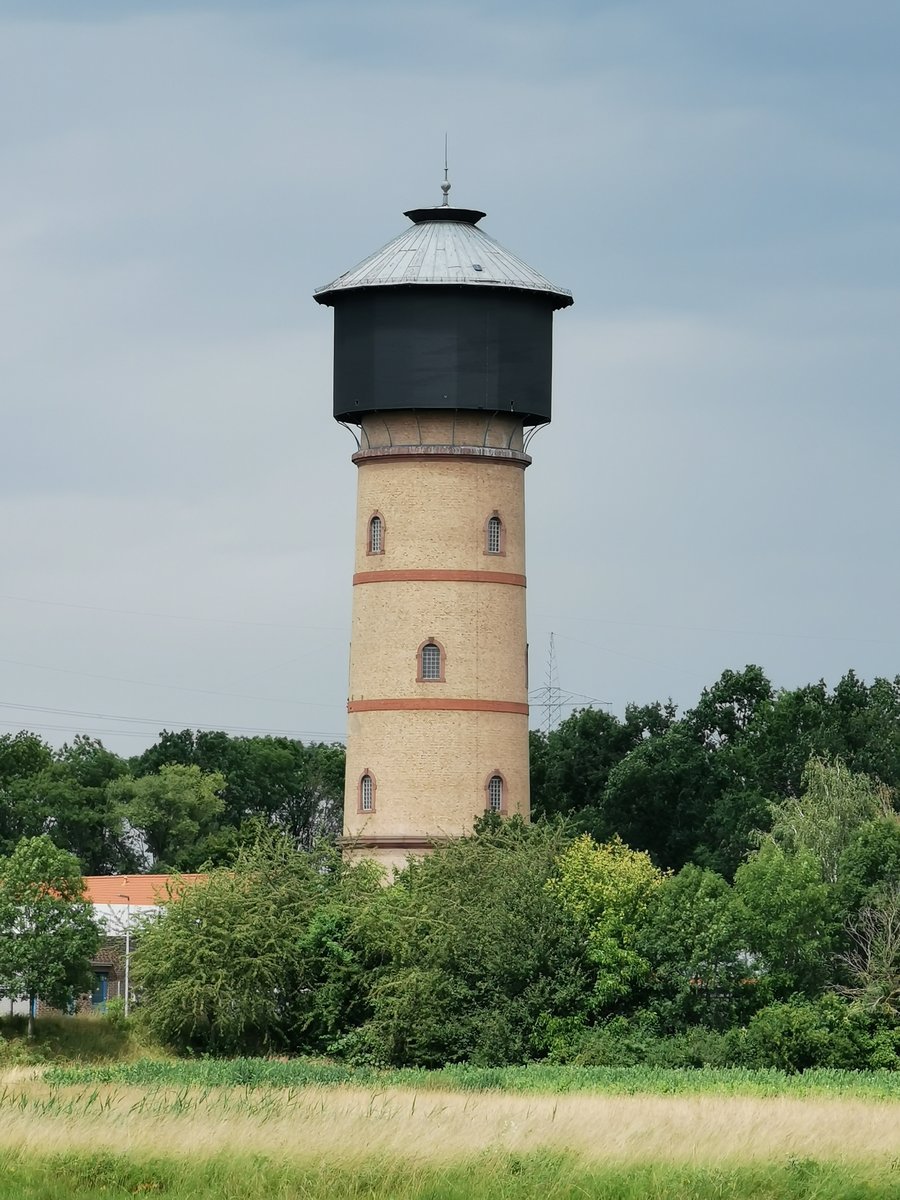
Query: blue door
x,y
101,988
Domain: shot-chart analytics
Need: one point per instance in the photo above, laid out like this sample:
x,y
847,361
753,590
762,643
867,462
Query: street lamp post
x,y
127,900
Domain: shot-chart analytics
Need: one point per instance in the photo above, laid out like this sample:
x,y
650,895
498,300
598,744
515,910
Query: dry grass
x,y
347,1125
24,1073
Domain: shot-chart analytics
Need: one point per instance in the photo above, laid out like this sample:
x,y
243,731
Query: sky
x,y
718,184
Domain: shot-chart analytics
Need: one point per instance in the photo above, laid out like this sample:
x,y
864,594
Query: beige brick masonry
x,y
435,580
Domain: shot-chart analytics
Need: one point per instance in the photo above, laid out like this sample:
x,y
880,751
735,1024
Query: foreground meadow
x,y
65,1136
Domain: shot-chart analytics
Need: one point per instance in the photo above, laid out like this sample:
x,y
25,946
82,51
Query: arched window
x,y
495,794
376,534
431,662
367,793
494,541
494,535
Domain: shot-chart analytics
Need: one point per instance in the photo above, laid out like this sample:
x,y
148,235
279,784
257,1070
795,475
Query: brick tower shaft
x,y
446,568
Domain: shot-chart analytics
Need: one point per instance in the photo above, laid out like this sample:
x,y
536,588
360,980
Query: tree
x,y
173,812
873,960
863,727
735,816
65,797
468,957
22,755
687,792
570,766
607,889
787,917
725,712
871,863
724,722
857,723
253,958
697,788
691,940
825,817
658,797
313,807
47,929
278,781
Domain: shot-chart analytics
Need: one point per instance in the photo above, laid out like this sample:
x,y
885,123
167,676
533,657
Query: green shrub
x,y
617,1043
792,1037
115,1013
884,1053
467,954
257,957
637,1042
697,1047
826,1032
12,1052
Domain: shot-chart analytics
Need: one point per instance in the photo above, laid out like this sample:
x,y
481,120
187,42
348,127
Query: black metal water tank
x,y
443,317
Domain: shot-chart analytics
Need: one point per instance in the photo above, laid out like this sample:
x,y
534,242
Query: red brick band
x,y
429,576
436,705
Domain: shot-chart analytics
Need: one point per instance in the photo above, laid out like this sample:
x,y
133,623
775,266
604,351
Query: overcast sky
x,y
718,184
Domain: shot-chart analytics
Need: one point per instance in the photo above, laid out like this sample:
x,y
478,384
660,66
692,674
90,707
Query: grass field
x,y
531,1177
174,1130
534,1078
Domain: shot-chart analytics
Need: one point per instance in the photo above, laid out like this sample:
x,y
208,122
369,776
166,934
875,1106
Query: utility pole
x,y
127,900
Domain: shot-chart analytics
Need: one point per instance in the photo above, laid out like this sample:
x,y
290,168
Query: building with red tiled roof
x,y
118,900
140,891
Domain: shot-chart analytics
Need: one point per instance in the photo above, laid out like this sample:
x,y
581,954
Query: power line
x,y
815,637
168,686
143,733
635,657
136,612
538,694
158,722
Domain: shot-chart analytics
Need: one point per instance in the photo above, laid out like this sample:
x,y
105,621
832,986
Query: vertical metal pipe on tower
x,y
442,357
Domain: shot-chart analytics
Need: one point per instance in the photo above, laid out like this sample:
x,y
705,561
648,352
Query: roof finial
x,y
445,186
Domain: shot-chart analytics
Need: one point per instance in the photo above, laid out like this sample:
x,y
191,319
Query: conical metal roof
x,y
443,246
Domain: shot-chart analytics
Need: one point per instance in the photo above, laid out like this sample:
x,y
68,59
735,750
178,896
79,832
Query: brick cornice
x,y
429,704
424,575
515,458
400,841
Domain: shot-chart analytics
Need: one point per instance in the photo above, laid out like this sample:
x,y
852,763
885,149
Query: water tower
x,y
442,366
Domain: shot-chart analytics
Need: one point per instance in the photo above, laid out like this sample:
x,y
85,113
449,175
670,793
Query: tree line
x,y
190,800
698,787
717,886
691,787
526,942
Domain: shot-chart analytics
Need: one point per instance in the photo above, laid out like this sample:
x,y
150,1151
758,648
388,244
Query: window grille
x,y
376,535
495,793
494,531
431,661
366,794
